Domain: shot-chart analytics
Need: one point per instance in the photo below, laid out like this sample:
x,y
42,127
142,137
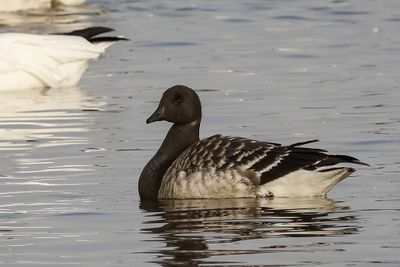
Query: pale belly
x,y
239,184
207,184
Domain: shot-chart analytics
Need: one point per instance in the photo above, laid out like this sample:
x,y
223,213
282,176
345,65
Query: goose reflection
x,y
193,230
58,19
44,114
34,124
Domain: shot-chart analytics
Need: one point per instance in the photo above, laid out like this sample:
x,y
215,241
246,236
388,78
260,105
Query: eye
x,y
178,101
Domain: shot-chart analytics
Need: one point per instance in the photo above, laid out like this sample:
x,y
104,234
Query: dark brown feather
x,y
271,160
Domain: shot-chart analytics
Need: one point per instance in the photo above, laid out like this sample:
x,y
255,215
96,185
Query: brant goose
x,y
55,60
230,167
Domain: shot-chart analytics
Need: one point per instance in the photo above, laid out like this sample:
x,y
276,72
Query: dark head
x,y
179,105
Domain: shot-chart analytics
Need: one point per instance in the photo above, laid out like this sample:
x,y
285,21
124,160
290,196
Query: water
x,y
282,71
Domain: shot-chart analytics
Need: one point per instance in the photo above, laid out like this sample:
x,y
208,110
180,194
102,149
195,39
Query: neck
x,y
178,138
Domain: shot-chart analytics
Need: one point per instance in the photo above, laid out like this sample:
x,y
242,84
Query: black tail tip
x,y
349,159
361,163
350,170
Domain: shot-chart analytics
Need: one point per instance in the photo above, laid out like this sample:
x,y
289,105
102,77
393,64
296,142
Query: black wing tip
x,y
108,39
361,163
304,143
91,33
350,159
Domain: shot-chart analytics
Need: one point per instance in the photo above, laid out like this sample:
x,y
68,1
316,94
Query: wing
x,y
271,160
222,152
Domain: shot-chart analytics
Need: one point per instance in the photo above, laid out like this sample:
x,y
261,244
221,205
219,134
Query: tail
x,y
91,34
335,159
305,183
330,177
283,160
330,159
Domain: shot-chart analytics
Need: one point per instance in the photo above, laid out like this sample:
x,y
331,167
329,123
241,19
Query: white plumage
x,y
32,61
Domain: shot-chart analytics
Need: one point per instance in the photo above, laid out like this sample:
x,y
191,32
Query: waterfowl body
x,y
230,167
55,60
19,5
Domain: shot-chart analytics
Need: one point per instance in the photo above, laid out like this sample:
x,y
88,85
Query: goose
x,y
19,5
52,60
185,167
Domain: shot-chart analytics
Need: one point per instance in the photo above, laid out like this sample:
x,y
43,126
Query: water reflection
x,y
43,114
59,19
45,99
198,229
33,126
42,173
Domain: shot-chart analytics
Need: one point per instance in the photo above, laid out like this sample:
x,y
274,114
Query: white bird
x,y
54,60
186,167
19,5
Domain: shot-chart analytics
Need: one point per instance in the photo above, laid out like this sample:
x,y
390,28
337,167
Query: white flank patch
x,y
303,183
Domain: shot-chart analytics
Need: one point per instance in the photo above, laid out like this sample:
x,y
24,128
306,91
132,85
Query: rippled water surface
x,y
282,71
